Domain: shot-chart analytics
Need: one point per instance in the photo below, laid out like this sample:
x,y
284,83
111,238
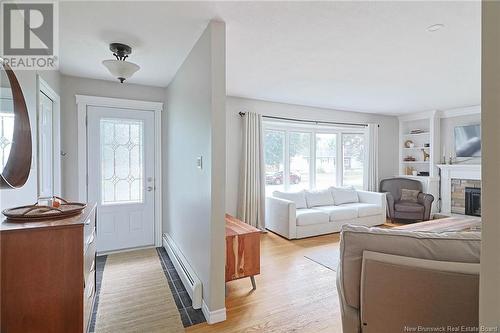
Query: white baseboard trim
x,y
213,317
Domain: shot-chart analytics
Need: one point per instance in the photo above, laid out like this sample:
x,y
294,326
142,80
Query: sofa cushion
x,y
299,198
447,246
319,198
339,213
311,216
364,209
408,207
344,195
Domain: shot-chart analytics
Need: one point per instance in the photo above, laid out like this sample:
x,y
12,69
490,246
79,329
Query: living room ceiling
x,y
377,57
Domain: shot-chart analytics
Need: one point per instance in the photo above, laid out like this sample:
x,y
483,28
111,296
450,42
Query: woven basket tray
x,y
36,212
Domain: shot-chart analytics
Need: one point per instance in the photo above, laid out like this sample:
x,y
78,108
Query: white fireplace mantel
x,y
455,171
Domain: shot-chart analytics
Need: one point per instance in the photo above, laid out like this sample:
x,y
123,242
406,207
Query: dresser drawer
x,y
88,299
89,257
89,228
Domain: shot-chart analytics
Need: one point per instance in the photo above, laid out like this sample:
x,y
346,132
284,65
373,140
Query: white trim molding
x,y
213,317
463,111
45,88
83,102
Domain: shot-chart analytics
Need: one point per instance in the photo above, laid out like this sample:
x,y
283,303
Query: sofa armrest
x,y
372,198
281,217
426,200
376,198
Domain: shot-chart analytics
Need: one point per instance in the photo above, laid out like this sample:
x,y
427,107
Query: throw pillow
x,y
319,198
409,195
343,195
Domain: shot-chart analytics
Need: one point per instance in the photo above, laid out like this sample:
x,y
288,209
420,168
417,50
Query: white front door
x,y
120,166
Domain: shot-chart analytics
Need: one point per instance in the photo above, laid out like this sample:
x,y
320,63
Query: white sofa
x,y
311,213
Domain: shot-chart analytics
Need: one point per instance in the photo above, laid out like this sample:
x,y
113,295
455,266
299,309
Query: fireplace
x,y
473,201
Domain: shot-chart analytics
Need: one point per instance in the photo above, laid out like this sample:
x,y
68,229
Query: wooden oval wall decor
x,y
17,169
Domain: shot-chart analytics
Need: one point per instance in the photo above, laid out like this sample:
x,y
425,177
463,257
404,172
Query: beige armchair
x,y
391,279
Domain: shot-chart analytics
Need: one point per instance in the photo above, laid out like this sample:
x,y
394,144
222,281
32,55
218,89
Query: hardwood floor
x,y
294,294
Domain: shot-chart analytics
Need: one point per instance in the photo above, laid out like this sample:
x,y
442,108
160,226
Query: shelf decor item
x,y
417,131
426,155
409,144
56,208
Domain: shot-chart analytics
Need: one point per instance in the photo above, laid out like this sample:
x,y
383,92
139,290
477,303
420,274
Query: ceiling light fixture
x,y
435,27
119,67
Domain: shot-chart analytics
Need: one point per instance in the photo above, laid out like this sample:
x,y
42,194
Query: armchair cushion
x,y
409,207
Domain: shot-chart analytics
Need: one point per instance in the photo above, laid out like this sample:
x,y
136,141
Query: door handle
x,y
149,188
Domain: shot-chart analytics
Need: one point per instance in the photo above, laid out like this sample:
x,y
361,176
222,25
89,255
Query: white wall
x,y
448,134
194,199
388,135
28,81
489,295
71,86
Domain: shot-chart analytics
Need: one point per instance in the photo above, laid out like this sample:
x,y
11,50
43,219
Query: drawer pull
x,y
88,221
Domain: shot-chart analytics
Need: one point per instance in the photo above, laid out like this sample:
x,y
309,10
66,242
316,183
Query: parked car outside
x,y
276,178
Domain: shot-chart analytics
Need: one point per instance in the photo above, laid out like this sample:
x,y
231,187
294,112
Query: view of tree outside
x,y
354,155
326,155
274,155
300,159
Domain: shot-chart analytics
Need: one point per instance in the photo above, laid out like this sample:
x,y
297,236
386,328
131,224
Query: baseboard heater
x,y
191,282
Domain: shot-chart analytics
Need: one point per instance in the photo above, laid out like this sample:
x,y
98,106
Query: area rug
x,y
135,296
326,257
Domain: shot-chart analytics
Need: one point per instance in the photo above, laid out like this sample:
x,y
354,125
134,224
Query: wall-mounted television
x,y
468,141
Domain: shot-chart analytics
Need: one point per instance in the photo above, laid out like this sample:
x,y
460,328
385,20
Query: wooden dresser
x,y
242,250
47,276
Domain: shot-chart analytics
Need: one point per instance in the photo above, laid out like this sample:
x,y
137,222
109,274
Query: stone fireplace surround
x,y
454,179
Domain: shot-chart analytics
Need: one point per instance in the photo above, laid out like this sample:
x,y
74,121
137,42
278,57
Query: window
x,y
299,161
122,161
326,155
274,155
300,157
354,156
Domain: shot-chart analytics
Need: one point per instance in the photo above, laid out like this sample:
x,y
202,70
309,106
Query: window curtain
x,y
252,176
372,157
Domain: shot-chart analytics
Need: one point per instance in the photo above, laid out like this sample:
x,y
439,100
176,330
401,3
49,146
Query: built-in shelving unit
x,y
413,145
428,140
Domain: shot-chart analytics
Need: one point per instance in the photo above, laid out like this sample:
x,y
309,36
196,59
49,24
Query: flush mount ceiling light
x,y
119,67
435,27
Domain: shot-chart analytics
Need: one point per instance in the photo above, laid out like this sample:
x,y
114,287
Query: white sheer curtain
x,y
372,179
252,183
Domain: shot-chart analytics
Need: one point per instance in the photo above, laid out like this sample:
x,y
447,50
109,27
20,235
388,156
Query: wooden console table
x,y
242,250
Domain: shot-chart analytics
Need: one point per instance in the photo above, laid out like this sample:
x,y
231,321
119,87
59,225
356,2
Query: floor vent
x,y
191,282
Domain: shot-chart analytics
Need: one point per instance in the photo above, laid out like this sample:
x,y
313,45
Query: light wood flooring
x,y
294,294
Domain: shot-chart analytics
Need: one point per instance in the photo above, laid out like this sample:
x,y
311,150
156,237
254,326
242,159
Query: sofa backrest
x,y
451,246
394,186
299,198
319,198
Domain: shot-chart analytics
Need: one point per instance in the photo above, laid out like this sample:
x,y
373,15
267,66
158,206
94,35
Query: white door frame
x,y
44,87
83,102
